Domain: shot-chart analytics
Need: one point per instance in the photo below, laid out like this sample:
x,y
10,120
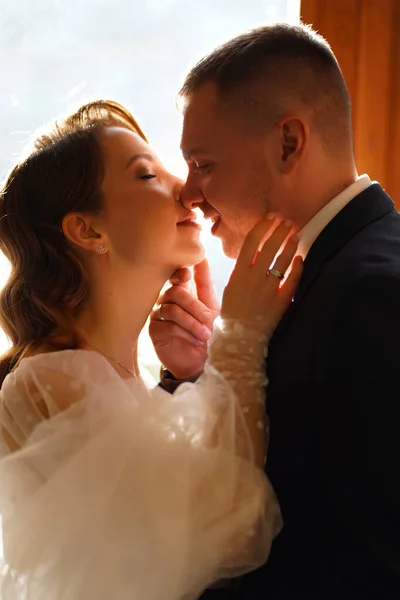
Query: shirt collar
x,y
313,228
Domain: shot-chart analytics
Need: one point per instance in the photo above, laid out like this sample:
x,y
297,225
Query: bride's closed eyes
x,y
146,170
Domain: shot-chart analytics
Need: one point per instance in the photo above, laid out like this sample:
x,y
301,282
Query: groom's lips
x,y
217,221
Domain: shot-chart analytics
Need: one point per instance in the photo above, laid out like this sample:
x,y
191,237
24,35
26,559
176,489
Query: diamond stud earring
x,y
101,248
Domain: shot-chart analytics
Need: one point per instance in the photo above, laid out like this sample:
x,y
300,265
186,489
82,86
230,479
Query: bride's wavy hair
x,y
61,174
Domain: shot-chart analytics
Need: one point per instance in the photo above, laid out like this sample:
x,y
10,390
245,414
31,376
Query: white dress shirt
x,y
311,231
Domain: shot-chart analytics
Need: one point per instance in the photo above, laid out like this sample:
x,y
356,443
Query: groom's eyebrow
x,y
187,153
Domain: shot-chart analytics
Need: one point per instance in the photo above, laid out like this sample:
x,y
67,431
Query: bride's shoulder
x,y
84,364
50,383
59,379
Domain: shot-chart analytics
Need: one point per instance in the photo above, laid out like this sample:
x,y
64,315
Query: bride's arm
x,y
238,353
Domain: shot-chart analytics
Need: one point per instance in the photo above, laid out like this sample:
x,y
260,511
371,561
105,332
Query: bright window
x,y
55,54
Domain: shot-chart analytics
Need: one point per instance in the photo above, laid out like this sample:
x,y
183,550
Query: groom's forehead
x,y
203,122
200,140
201,107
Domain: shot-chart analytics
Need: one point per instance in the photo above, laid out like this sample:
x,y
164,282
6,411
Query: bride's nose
x,y
177,190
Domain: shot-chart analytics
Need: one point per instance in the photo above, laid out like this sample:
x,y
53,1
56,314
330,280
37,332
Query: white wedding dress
x,y
115,491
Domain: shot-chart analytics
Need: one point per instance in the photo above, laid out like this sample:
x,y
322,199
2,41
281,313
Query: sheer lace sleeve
x,y
238,352
118,491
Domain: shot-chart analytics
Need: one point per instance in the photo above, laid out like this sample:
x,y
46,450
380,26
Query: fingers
x,y
205,287
181,276
272,246
188,302
174,313
162,332
285,258
254,240
292,281
181,314
181,307
203,283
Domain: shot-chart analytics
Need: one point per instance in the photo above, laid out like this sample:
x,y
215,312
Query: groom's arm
x,y
170,383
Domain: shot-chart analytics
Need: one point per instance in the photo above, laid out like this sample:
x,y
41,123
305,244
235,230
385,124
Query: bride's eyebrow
x,y
138,156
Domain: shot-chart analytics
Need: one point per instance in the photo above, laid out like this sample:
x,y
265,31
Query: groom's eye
x,y
202,167
148,176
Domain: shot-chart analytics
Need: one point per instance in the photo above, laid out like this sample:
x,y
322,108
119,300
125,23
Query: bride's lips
x,y
190,223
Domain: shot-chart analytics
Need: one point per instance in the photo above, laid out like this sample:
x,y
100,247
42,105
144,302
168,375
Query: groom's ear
x,y
293,134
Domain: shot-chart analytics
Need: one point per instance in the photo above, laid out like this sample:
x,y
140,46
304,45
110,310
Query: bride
x,y
108,488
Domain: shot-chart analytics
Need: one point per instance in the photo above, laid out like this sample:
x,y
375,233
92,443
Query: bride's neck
x,y
116,313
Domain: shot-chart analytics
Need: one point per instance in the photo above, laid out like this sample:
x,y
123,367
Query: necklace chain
x,y
114,360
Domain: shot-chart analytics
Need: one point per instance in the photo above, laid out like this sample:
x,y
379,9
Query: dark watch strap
x,y
169,382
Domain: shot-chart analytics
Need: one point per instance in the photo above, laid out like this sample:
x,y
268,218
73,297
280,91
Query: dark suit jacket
x,y
334,407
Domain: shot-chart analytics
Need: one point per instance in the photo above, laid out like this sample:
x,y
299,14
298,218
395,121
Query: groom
x,y
267,127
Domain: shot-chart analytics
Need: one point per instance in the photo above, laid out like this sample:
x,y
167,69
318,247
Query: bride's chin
x,y
198,256
191,255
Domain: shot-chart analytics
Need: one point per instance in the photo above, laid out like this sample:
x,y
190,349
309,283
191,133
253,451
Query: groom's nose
x,y
191,197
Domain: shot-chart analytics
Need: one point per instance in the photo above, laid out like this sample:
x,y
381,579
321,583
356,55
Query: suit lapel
x,y
372,204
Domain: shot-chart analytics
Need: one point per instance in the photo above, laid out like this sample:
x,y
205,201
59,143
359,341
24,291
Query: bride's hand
x,y
256,293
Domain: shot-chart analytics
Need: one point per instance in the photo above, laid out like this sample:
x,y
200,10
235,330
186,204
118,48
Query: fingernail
x,y
197,342
270,216
295,238
288,223
205,334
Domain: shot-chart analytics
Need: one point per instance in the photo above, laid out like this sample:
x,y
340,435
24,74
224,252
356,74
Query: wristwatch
x,y
167,375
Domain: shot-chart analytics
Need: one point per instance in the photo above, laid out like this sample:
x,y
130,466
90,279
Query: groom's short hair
x,y
257,70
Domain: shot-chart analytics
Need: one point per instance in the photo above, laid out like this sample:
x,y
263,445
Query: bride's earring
x,y
101,248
